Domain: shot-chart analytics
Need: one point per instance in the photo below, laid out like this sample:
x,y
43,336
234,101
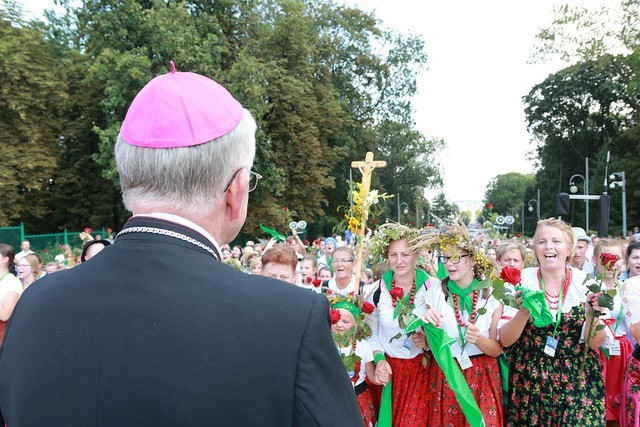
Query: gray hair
x,y
187,178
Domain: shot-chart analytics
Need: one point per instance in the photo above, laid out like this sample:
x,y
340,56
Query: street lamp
x,y
574,189
405,209
623,184
530,208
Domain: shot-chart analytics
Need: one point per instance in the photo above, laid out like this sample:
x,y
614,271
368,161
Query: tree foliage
x,y
325,83
506,194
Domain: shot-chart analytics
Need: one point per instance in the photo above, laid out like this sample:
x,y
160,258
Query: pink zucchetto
x,y
180,110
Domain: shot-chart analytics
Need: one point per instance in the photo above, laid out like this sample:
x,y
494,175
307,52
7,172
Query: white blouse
x,y
435,299
365,353
384,327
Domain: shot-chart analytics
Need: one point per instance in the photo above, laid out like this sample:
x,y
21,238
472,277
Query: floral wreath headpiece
x,y
387,233
360,312
447,238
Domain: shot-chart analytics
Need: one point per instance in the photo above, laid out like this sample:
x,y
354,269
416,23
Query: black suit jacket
x,y
153,331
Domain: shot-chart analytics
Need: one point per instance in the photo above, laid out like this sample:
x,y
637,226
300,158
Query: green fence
x,y
45,242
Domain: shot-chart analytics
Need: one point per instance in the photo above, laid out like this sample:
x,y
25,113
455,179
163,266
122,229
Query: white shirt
x,y
384,327
365,353
576,295
435,299
10,283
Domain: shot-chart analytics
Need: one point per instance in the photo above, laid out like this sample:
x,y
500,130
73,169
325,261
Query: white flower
x,y
372,198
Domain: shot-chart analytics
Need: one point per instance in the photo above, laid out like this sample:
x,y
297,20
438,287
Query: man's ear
x,y
235,198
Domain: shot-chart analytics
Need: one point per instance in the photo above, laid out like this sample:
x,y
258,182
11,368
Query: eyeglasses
x,y
342,261
254,177
455,259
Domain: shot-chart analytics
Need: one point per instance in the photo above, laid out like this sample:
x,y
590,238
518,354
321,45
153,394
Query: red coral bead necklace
x,y
474,310
413,292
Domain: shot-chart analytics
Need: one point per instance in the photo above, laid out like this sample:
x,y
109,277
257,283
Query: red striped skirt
x,y
409,384
613,371
484,381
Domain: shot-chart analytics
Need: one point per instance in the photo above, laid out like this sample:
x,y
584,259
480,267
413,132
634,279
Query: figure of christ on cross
x,y
366,168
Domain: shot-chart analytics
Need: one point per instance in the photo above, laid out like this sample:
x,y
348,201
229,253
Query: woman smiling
x,y
551,383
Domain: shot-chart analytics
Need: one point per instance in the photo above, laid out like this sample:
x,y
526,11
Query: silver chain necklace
x,y
174,234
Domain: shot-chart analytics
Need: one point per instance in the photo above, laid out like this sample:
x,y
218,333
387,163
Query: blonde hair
x,y
570,237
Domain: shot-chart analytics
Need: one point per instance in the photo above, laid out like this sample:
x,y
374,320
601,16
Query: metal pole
x,y
586,189
398,207
538,205
624,206
522,220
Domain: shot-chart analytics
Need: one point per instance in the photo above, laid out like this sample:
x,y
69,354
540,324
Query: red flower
x,y
367,307
335,316
60,246
510,275
634,376
45,250
88,230
109,230
608,260
396,293
489,206
286,209
315,282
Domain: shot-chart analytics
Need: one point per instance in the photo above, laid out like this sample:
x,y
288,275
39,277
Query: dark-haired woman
x,y
10,286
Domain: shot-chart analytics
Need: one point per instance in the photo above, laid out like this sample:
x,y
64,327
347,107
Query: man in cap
x,y
156,331
580,260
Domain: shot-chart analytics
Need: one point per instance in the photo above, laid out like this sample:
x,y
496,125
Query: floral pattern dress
x,y
552,391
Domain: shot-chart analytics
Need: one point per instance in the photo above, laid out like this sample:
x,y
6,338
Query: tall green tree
x,y
32,93
325,83
507,194
574,115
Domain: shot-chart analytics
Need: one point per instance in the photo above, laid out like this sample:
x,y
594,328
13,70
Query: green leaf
x,y
594,287
499,293
484,284
482,311
510,301
599,327
396,336
611,292
606,301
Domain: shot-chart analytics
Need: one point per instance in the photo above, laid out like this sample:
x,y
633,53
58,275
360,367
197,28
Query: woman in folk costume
x,y
609,263
399,296
630,402
349,331
554,380
465,309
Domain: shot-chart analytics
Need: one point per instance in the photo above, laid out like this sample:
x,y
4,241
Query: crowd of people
x,y
520,372
434,274
155,330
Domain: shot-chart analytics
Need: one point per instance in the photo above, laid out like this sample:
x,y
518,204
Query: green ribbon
x,y
385,415
442,271
466,302
273,233
439,343
535,302
503,364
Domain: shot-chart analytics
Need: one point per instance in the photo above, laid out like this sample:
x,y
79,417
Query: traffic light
x,y
562,205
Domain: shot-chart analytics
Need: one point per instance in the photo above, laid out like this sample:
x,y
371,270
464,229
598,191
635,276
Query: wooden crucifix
x,y
366,168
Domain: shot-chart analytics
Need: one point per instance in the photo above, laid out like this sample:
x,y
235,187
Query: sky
x,y
471,93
